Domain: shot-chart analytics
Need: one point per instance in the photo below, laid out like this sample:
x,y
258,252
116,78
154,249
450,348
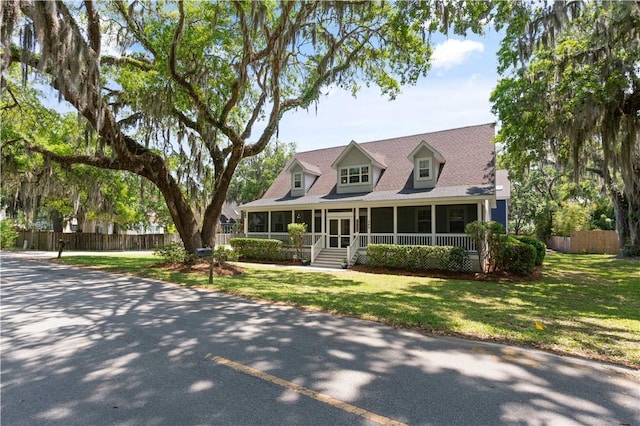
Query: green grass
x,y
584,305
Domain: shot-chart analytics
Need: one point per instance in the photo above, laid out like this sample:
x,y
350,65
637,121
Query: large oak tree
x,y
180,92
571,90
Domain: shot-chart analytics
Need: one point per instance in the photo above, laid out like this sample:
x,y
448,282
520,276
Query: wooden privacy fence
x,y
592,242
47,240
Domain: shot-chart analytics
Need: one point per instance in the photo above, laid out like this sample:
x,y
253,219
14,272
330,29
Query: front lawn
x,y
584,305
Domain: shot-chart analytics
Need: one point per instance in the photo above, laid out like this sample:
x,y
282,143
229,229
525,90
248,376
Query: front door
x,y
339,232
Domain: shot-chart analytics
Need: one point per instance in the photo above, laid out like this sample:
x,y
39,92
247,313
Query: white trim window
x,y
297,180
354,175
423,168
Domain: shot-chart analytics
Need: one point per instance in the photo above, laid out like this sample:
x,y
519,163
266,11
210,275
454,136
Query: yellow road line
x,y
307,392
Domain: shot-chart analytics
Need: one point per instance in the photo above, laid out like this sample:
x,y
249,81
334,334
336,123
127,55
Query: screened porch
x,y
354,228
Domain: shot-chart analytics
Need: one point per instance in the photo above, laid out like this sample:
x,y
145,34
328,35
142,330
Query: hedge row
x,y
416,258
257,248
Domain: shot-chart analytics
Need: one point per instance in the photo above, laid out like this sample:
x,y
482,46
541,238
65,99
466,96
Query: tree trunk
x,y
620,208
57,221
181,212
633,218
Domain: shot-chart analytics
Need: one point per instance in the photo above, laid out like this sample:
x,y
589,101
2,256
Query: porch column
x,y
433,225
368,225
482,217
245,222
395,224
269,226
293,218
313,223
354,214
487,210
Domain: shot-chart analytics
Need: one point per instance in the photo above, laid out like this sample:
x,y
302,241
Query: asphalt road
x,y
83,347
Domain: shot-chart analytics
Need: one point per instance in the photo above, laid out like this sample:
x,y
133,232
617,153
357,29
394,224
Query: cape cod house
x,y
414,190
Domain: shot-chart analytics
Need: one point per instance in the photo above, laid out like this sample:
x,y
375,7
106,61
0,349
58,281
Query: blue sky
x,y
455,93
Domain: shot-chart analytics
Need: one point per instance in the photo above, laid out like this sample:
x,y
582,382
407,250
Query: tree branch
x,y
93,27
201,106
134,26
141,64
68,160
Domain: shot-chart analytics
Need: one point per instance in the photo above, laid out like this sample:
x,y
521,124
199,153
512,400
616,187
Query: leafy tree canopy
x,y
174,90
33,185
572,90
256,174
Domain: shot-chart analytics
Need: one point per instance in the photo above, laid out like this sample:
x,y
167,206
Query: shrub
x,y
416,258
174,253
631,250
221,255
8,234
520,258
541,248
257,248
457,260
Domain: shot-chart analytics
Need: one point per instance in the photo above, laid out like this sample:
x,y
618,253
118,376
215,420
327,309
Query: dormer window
x,y
297,180
424,168
303,175
354,175
427,162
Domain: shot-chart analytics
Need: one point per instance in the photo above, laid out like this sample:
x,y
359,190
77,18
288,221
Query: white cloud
x,y
454,52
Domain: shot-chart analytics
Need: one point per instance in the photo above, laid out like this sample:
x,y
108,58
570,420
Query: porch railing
x,y
353,249
317,247
309,238
362,240
459,240
380,239
456,240
282,236
414,240
262,235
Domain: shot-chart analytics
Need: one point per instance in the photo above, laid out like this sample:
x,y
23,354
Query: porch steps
x,y
330,257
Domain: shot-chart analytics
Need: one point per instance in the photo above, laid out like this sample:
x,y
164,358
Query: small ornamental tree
x,y
488,238
296,235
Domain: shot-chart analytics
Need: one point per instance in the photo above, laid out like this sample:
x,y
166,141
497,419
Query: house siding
x,y
499,214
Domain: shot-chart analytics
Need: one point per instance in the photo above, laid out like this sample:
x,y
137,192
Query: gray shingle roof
x,y
469,169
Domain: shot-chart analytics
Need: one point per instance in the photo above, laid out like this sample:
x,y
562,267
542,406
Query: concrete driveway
x,y
89,348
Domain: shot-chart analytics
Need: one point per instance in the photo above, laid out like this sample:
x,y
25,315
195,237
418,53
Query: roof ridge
x,y
431,133
493,124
